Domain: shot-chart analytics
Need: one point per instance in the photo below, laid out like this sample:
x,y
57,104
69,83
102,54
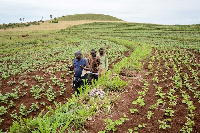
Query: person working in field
x,y
94,62
104,62
79,64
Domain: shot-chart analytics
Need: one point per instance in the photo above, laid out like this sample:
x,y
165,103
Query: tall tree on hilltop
x,y
51,16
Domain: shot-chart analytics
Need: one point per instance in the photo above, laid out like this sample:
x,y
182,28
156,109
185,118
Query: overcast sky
x,y
141,11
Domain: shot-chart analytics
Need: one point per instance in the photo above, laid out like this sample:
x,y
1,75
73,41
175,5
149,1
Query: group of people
x,y
88,69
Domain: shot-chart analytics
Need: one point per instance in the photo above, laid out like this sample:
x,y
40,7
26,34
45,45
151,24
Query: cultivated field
x,y
152,84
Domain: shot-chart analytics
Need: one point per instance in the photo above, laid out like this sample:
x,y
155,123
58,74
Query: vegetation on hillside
x,y
97,17
77,17
164,98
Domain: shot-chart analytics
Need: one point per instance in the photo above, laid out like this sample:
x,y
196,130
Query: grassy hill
x,y
99,17
63,22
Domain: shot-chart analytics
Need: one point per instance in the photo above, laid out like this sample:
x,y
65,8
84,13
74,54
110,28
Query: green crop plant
x,y
155,79
1,122
187,128
130,130
11,82
133,111
37,91
14,114
3,110
23,82
34,106
43,103
13,95
149,114
139,126
55,80
169,112
62,75
11,104
160,94
3,99
111,124
142,93
172,97
50,94
38,78
139,101
23,110
111,82
164,124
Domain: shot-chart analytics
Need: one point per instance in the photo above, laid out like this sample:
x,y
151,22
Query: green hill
x,y
99,17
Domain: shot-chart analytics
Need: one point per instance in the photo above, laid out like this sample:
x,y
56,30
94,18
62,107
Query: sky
x,y
169,12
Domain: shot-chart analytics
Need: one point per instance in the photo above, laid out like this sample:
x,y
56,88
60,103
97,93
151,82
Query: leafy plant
x,y
111,124
133,111
139,101
111,82
149,114
163,124
23,110
37,91
169,112
50,94
38,78
139,126
3,99
187,128
14,114
11,82
34,106
3,110
11,104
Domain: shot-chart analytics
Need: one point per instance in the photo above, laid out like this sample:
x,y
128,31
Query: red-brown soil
x,y
120,107
28,99
124,104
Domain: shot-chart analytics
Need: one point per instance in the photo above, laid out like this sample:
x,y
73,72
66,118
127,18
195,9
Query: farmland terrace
x,y
152,84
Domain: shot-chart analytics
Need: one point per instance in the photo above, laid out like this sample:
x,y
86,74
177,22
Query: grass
x,y
96,17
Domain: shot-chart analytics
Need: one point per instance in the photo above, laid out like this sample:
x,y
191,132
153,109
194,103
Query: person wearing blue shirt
x,y
79,64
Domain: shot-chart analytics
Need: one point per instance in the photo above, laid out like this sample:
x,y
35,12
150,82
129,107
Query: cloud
x,y
147,11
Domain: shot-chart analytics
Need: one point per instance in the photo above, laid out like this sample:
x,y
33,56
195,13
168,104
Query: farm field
x,y
152,84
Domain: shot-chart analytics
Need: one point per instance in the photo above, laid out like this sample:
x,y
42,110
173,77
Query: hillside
x,y
98,17
152,84
61,22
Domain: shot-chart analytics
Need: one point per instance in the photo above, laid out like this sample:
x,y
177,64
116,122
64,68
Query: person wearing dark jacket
x,y
79,64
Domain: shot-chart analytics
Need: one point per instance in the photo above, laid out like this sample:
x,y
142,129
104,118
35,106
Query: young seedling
x,y
133,111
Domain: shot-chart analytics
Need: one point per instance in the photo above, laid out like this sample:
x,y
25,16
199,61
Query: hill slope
x,y
99,17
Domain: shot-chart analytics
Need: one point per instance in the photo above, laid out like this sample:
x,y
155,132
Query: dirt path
x,y
46,26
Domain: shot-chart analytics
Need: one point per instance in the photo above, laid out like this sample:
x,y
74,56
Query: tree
x,y
51,16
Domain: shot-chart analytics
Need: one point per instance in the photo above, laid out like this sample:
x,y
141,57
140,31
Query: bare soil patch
x,y
53,26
